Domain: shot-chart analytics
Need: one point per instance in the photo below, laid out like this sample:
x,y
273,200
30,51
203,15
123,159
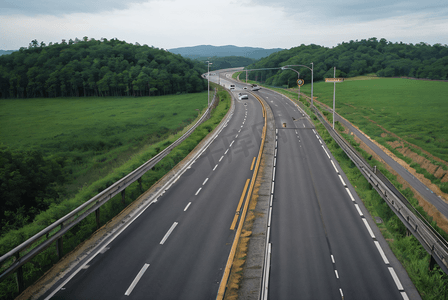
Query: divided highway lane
x,y
178,247
321,244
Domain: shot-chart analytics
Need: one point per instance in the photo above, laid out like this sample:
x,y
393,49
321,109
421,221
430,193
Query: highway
x,y
178,247
321,242
324,244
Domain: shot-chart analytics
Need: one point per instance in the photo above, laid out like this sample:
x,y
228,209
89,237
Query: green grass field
x,y
94,135
415,110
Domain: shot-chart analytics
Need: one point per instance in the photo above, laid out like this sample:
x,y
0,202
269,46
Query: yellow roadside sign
x,y
334,79
300,82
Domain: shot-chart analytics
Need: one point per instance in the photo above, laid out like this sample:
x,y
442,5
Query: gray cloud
x,y
59,7
356,10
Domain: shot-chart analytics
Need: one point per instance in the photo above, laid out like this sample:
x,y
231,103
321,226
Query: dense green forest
x,y
97,68
355,58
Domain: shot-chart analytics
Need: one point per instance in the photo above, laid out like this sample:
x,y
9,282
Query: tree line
x,y
92,67
383,58
29,183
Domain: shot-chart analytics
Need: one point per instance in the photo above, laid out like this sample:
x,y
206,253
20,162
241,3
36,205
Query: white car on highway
x,y
243,96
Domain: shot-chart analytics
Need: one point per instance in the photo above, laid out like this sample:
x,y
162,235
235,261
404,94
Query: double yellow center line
x,y
237,213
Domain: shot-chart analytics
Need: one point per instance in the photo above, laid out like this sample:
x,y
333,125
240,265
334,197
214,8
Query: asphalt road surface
x,y
322,242
178,247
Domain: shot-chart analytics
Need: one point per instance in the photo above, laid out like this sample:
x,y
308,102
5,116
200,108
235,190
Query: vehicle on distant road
x,y
255,87
243,96
232,86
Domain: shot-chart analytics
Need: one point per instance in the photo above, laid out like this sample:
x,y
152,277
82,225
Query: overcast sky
x,y
256,23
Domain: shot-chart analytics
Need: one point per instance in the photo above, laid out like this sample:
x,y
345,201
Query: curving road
x,y
178,247
324,244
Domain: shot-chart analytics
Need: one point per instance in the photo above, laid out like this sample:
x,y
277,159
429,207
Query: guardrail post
x,y
140,184
432,262
374,169
19,276
123,196
59,245
97,215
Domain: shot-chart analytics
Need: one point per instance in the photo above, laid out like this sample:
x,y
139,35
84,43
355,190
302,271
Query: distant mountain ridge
x,y
3,52
222,51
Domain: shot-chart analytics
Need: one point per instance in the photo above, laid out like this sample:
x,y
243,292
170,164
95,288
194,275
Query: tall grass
x,y
94,135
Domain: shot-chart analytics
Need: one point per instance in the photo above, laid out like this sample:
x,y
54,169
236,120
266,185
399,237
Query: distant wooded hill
x,y
97,68
3,52
383,58
204,51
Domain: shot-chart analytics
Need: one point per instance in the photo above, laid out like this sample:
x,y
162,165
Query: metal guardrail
x,y
55,231
416,224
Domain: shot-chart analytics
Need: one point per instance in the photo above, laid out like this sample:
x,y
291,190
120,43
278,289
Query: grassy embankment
x,y
132,129
430,284
408,117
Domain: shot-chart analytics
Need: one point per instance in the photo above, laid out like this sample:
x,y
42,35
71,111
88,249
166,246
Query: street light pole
x,y
312,80
208,83
334,95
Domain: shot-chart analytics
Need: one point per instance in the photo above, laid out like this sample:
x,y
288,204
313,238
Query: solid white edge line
x,y
342,180
198,191
168,233
368,228
380,250
272,199
205,181
275,161
359,210
266,274
395,277
136,279
273,174
272,189
188,205
404,295
350,194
